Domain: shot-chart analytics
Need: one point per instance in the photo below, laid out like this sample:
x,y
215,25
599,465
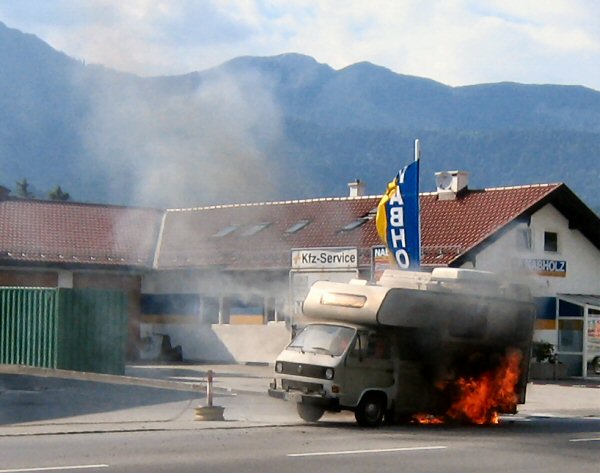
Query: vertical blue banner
x,y
398,218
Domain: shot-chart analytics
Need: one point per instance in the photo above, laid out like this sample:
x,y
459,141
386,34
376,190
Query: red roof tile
x,y
85,234
449,228
188,238
77,234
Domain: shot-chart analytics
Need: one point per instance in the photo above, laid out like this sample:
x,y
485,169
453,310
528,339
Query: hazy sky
x,y
455,42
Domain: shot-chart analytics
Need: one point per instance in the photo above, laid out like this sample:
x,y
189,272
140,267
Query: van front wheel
x,y
371,410
309,413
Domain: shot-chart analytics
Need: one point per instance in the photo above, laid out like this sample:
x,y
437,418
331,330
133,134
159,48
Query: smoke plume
x,y
166,148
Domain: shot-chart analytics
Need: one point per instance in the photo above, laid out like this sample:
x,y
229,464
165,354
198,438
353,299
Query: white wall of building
x,y
228,343
506,254
582,257
202,341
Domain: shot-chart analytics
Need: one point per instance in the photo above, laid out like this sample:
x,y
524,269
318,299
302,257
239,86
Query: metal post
x,y
209,412
221,309
209,389
584,354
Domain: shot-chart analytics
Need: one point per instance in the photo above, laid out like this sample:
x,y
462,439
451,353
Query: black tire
x,y
371,410
309,413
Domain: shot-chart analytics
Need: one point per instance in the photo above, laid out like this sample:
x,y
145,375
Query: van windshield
x,y
319,338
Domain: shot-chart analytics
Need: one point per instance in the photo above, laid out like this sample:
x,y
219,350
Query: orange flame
x,y
423,418
479,401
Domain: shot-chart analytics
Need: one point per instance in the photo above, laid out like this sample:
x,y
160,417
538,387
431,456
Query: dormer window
x,y
355,224
298,226
225,231
253,229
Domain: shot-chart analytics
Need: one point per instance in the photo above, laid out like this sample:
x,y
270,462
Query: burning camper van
x,y
453,344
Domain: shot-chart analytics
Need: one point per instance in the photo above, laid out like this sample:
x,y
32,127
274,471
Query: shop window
x,y
570,335
568,309
551,241
170,304
247,311
210,310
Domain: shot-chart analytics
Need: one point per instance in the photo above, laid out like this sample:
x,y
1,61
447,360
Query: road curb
x,y
209,425
101,378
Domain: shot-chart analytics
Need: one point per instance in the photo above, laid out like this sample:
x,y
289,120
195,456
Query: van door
x,y
368,365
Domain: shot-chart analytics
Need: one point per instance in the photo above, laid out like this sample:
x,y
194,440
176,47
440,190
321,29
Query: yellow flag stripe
x,y
381,216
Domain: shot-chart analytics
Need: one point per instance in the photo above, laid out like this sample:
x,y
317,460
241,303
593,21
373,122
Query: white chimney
x,y
450,183
357,188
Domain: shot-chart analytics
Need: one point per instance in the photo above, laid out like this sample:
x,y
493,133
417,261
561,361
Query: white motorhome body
x,y
399,339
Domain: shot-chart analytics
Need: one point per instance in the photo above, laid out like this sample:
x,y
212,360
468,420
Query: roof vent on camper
x,y
357,188
450,183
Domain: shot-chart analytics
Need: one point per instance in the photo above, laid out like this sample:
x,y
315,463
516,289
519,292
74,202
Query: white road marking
x,y
355,452
597,439
54,468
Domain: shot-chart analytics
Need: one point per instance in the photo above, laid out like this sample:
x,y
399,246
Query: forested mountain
x,y
278,127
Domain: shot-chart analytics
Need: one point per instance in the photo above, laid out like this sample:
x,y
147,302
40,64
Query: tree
x,y
23,189
58,194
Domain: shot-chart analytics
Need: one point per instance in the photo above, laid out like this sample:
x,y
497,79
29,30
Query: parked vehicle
x,y
393,349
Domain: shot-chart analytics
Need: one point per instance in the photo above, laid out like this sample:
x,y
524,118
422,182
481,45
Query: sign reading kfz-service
x,y
325,258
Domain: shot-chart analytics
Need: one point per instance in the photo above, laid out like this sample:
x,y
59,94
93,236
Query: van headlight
x,y
329,373
279,366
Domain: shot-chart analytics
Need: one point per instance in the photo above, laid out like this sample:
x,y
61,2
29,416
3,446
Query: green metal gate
x,y
28,326
75,329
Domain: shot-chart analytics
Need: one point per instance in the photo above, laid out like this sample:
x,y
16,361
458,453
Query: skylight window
x,y
225,231
355,224
360,221
297,226
252,230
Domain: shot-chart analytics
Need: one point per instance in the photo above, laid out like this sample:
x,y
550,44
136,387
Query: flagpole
x,y
417,149
417,158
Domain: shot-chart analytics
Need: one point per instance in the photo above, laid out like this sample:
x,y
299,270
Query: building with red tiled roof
x,y
75,245
196,273
451,229
233,263
75,235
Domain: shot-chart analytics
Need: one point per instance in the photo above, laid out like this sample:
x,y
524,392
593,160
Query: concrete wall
x,y
203,341
226,343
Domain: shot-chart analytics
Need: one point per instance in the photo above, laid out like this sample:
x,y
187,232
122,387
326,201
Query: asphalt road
x,y
69,424
528,444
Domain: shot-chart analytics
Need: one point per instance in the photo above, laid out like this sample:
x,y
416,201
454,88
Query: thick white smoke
x,y
179,149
